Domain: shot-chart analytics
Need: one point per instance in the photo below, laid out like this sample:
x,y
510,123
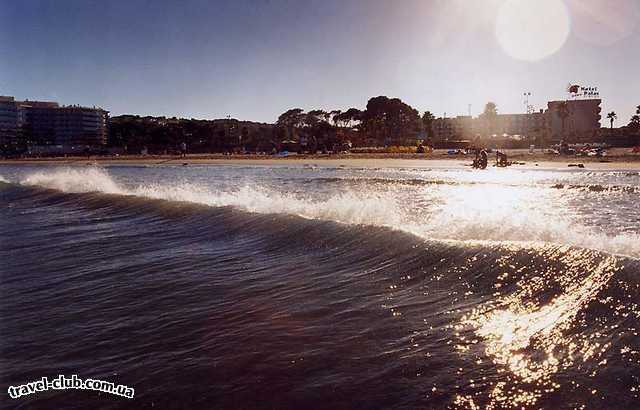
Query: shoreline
x,y
522,160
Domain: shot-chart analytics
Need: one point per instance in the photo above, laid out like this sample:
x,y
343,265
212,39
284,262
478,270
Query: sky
x,y
254,59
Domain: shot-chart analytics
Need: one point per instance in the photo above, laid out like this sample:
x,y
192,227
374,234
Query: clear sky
x,y
254,59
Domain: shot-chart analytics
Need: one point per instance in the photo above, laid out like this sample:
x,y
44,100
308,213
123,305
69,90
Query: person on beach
x,y
501,159
481,159
183,149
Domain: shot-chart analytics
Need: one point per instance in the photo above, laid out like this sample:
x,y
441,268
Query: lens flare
x,y
532,31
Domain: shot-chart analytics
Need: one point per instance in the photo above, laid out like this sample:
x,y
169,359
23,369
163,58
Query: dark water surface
x,y
294,288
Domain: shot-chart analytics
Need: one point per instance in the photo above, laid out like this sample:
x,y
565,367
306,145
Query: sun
x,y
532,30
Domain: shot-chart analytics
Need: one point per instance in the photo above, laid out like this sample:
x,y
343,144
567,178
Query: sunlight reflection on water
x,y
534,339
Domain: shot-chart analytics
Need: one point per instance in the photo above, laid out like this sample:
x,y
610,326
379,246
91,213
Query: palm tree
x,y
612,116
563,113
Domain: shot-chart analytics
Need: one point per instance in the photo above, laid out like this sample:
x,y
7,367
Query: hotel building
x,y
581,124
31,123
8,120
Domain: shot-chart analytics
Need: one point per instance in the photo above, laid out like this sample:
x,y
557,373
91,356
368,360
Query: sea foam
x,y
493,222
75,180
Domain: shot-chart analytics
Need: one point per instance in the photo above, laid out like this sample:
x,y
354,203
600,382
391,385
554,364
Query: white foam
x,y
458,216
348,207
75,180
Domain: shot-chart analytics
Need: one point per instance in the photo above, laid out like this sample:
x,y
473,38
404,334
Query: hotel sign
x,y
579,91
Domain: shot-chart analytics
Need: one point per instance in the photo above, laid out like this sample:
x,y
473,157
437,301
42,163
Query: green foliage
x,y
489,117
634,124
490,110
348,118
427,122
390,121
161,134
385,121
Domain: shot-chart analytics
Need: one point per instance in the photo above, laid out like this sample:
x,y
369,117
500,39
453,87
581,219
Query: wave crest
x,y
375,208
75,180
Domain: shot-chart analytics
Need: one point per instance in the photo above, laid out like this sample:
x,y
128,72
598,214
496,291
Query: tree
x,y
340,119
490,109
290,120
348,118
634,124
489,115
427,122
612,116
161,134
323,136
335,116
390,119
638,110
314,116
318,131
563,112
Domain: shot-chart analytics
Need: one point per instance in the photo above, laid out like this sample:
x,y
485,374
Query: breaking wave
x,y
466,308
373,208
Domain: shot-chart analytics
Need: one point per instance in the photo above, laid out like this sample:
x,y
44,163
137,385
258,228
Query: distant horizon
x,y
253,61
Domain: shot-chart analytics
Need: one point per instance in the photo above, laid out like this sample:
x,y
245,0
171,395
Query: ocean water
x,y
315,287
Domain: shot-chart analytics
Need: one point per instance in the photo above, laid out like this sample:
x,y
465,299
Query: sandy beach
x,y
618,158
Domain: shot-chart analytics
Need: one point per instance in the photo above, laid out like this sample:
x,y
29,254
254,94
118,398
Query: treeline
x,y
384,121
164,135
634,122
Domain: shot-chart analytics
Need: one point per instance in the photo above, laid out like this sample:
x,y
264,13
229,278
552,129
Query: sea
x,y
321,287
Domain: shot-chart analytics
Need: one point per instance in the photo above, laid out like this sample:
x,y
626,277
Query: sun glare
x,y
532,30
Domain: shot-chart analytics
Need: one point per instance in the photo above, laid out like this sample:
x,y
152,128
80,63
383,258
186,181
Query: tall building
x,y
8,120
581,119
77,125
512,124
580,124
38,122
47,123
467,127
